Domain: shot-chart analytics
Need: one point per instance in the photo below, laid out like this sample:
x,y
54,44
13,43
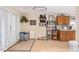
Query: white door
x,y
7,34
12,28
0,34
8,30
2,26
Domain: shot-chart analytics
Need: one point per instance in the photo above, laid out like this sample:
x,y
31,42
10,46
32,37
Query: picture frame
x,y
32,22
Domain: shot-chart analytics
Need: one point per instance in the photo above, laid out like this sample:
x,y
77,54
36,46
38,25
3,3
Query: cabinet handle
x,y
10,28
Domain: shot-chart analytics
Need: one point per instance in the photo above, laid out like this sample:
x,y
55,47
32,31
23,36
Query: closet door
x,y
8,30
2,28
12,28
0,34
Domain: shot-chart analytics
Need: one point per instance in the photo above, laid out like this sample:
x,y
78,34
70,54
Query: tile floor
x,y
45,46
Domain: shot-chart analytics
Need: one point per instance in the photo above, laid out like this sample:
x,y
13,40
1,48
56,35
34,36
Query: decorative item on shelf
x,y
23,19
42,19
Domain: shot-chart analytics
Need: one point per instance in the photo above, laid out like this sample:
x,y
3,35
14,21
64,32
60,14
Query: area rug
x,y
22,46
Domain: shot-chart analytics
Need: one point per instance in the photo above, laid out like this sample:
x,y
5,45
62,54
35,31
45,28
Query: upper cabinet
x,y
62,20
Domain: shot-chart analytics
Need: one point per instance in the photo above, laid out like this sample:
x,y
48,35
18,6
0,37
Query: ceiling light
x,y
39,8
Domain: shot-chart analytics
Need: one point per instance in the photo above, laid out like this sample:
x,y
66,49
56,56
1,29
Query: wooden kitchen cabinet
x,y
67,35
66,20
62,20
62,35
70,35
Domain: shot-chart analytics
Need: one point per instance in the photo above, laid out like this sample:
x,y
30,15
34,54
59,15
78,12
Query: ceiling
x,y
29,9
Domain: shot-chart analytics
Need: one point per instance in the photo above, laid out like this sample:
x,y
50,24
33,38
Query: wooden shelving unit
x,y
54,35
51,30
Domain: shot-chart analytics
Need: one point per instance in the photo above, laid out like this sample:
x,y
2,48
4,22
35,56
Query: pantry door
x,y
7,30
0,35
12,28
2,28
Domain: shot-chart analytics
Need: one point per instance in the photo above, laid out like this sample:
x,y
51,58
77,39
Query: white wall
x,y
39,31
77,23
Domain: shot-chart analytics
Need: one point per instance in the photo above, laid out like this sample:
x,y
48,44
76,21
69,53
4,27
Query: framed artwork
x,y
32,22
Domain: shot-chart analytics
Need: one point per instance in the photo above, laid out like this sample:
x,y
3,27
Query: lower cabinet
x,y
66,35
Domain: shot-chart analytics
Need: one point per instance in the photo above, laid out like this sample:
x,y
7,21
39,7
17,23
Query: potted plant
x,y
23,19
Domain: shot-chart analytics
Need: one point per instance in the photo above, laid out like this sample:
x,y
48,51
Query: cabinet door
x,y
66,19
70,35
12,27
62,36
2,26
0,35
7,32
73,35
60,20
63,20
67,34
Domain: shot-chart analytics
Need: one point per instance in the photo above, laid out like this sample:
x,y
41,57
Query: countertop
x,y
66,30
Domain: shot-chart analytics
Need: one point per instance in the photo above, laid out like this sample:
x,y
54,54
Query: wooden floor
x,y
22,46
50,46
46,46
